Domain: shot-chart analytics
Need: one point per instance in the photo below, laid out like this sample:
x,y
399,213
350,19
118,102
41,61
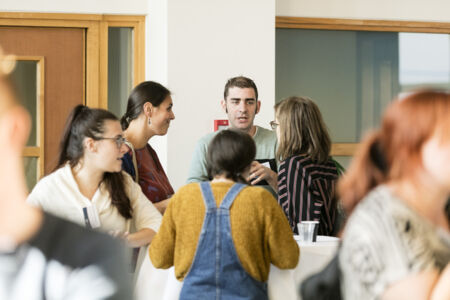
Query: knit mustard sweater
x,y
260,231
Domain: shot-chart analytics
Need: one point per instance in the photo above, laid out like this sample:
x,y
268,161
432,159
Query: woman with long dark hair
x,y
396,243
222,235
149,113
88,186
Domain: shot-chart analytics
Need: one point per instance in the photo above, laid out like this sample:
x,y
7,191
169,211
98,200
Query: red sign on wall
x,y
220,124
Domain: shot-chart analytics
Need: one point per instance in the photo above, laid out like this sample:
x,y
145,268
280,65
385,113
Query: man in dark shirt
x,y
42,256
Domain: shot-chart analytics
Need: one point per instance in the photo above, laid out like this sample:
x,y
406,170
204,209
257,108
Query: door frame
x,y
96,64
95,85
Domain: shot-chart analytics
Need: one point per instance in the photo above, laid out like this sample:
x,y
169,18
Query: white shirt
x,y
58,194
384,242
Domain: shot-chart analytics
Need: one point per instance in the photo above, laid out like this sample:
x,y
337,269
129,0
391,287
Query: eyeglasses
x,y
274,125
119,140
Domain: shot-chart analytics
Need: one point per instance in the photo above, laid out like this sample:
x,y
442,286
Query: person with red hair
x,y
396,243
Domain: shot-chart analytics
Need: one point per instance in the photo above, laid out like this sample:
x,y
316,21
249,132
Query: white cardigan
x,y
58,194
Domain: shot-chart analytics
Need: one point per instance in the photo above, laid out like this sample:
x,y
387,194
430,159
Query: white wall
x,y
78,6
156,61
209,42
413,10
194,46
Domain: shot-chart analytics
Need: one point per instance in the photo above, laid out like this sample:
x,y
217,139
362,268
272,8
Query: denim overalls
x,y
216,272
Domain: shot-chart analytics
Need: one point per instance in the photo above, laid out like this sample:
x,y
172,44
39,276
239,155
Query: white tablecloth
x,y
158,284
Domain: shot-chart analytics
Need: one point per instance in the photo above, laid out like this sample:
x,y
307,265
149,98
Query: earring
x,y
149,122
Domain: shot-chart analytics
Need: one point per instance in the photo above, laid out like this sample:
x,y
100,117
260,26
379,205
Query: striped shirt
x,y
306,192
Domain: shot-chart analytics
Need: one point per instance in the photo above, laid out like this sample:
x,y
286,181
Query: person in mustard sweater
x,y
225,253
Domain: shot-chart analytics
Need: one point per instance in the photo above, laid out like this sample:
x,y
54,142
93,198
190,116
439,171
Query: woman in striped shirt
x,y
307,175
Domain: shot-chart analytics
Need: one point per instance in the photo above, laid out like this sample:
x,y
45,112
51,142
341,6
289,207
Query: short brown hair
x,y
302,130
230,153
240,82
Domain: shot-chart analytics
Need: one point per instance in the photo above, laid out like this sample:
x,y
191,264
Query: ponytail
x,y
368,169
394,152
64,145
125,122
147,91
85,122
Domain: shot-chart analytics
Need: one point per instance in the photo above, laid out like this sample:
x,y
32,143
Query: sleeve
x,y
307,202
323,208
36,197
296,194
145,214
197,170
92,265
284,250
283,196
372,256
104,275
162,248
361,266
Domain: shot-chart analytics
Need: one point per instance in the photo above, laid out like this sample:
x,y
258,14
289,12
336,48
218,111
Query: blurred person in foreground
x,y
396,243
222,235
43,256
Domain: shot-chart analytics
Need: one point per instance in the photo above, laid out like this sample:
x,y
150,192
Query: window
x,y
353,69
28,78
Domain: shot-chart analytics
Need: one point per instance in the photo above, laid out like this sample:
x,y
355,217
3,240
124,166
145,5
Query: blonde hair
x,y
302,130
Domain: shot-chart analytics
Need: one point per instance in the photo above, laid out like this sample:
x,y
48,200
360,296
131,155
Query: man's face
x,y
241,107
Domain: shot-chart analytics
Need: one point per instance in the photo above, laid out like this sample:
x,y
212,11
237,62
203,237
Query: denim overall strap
x,y
216,272
208,197
231,195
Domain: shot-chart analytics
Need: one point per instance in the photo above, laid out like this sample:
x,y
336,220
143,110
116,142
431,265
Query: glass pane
x,y
30,165
424,60
353,75
344,161
120,68
24,78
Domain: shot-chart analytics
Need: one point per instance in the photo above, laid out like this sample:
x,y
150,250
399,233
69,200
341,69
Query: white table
x,y
158,284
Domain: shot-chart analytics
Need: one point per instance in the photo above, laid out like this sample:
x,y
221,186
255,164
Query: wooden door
x,y
61,52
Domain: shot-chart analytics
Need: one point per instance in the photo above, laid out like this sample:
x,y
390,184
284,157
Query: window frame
x,y
287,22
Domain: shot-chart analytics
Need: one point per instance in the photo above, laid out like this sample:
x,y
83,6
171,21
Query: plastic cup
x,y
307,231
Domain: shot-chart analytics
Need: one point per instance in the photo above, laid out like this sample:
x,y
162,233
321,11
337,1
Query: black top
x,y
65,261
